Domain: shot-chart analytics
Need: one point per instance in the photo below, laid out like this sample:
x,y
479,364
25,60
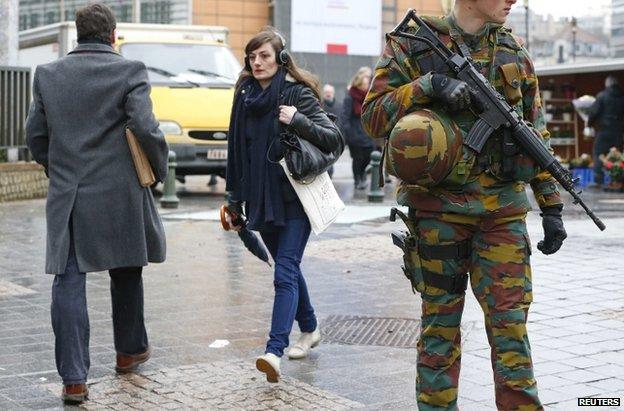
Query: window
x,y
51,17
197,63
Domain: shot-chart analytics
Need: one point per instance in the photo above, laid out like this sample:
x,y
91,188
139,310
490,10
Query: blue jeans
x,y
292,301
70,319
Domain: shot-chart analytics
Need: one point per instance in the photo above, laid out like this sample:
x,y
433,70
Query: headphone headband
x,y
282,57
282,39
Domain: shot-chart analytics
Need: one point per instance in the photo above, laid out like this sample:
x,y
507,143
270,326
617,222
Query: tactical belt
x,y
455,284
445,252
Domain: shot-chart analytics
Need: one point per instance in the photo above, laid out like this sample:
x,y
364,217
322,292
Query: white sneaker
x,y
269,364
302,347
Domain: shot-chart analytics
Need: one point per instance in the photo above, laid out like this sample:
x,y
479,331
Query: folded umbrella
x,y
250,240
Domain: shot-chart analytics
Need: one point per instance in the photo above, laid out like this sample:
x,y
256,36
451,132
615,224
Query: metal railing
x,y
14,102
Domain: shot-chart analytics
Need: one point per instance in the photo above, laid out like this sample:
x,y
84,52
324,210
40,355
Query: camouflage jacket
x,y
402,84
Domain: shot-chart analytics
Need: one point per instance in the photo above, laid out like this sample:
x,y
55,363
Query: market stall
x,y
559,85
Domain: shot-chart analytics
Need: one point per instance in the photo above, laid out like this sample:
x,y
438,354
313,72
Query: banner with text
x,y
350,27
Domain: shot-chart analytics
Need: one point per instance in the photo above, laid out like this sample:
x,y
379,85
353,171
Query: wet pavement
x,y
208,309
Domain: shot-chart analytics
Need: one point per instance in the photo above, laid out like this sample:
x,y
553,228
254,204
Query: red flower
x,y
608,165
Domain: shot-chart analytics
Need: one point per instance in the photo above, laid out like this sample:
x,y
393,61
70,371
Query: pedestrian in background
x,y
98,216
272,93
607,115
467,212
332,107
360,144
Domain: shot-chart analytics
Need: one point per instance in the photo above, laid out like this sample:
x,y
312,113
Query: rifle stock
x,y
496,113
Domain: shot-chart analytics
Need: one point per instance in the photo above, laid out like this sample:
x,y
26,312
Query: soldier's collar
x,y
437,23
474,41
452,24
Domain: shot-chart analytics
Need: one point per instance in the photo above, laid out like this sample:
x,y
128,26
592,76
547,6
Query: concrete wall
x,y
8,32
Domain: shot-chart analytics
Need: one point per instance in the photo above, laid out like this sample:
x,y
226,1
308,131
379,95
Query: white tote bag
x,y
319,199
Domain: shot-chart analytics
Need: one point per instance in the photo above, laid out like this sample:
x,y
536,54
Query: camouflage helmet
x,y
423,148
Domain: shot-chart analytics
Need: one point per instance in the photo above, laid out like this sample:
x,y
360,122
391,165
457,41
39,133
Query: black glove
x,y
455,93
235,207
554,233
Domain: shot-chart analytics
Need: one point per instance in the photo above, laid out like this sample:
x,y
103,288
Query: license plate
x,y
216,154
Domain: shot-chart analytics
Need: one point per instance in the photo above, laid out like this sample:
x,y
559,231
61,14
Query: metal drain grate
x,y
387,332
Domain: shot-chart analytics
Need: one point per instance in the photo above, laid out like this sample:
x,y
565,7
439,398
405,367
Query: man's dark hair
x,y
95,21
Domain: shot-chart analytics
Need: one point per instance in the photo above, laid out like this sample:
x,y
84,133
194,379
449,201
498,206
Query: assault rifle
x,y
495,113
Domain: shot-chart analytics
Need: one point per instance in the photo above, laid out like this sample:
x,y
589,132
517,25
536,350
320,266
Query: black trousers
x,y
361,158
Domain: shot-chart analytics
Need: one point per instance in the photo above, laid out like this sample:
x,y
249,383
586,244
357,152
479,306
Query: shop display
x,y
561,119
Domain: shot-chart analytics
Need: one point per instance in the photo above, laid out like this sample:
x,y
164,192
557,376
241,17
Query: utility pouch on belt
x,y
511,76
413,251
509,149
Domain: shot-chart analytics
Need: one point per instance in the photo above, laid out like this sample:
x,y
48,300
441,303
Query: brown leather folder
x,y
141,163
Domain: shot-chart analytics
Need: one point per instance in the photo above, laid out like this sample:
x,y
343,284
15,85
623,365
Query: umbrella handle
x,y
224,222
234,218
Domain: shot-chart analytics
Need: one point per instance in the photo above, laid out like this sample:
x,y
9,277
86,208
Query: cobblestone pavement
x,y
216,386
211,290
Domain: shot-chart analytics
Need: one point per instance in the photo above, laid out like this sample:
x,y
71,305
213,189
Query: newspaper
x,y
319,199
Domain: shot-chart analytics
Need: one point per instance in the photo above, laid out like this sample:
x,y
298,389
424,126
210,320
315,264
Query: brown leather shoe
x,y
127,363
75,393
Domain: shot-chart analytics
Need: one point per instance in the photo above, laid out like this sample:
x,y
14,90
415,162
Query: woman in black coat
x,y
255,179
360,144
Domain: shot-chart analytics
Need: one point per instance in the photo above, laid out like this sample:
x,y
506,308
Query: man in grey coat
x,y
98,216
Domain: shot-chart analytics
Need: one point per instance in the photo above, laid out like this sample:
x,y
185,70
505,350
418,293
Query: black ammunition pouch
x,y
510,150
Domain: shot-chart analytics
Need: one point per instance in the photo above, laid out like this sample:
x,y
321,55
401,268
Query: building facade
x,y
617,28
551,41
35,13
243,18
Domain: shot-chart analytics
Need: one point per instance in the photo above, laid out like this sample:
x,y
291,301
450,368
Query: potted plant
x,y
613,164
583,161
581,170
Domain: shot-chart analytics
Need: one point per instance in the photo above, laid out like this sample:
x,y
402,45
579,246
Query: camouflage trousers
x,y
500,278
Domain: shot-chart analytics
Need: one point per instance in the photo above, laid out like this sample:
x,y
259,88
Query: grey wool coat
x,y
76,129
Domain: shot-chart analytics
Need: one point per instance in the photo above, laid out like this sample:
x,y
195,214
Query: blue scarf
x,y
254,130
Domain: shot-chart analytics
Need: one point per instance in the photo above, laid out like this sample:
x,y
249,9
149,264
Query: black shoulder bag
x,y
304,160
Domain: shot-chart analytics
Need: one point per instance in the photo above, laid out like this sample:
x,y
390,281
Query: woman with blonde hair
x,y
360,144
273,93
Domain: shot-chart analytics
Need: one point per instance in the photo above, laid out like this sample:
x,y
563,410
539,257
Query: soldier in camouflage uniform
x,y
467,212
